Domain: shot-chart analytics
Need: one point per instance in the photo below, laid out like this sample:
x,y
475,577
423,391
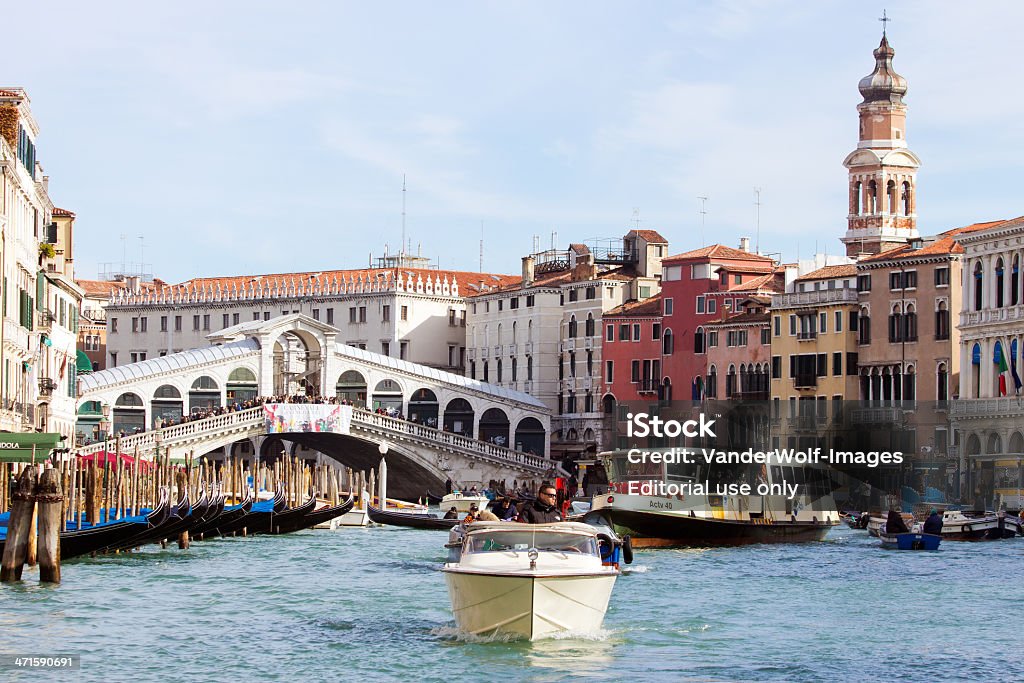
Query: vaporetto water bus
x,y
687,501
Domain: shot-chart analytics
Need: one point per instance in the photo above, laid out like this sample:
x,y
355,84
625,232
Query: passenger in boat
x,y
544,509
894,524
452,513
474,512
933,525
504,508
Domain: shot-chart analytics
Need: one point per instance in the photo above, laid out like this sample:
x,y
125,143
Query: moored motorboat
x,y
529,580
462,502
970,525
911,540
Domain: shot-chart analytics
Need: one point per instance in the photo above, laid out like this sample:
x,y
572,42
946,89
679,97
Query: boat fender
x,y
627,549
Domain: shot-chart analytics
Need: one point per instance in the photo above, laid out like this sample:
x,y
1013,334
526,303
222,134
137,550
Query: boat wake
x,y
634,569
454,634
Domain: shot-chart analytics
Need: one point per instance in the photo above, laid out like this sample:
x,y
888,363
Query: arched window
x,y
712,388
590,325
942,383
1000,280
666,343
497,341
909,384
942,321
513,331
730,382
910,324
698,340
864,326
1015,281
976,371
896,324
497,365
890,198
979,282
858,190
572,326
486,373
872,200
907,204
529,331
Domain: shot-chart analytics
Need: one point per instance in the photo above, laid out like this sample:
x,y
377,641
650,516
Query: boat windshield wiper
x,y
560,551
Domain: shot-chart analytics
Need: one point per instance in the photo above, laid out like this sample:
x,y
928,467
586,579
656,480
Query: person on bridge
x,y
544,509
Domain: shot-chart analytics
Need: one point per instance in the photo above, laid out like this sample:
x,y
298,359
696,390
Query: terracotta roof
x,y
63,212
579,248
719,251
9,93
645,308
943,244
829,272
650,235
554,279
100,288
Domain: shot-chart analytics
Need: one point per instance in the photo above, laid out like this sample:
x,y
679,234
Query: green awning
x,y
19,447
82,363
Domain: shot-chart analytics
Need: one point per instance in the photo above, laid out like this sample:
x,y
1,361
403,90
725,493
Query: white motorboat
x,y
531,580
462,501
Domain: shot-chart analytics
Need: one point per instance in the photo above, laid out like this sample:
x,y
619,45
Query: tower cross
x,y
885,20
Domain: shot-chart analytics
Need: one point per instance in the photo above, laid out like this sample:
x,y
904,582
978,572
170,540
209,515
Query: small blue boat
x,y
910,541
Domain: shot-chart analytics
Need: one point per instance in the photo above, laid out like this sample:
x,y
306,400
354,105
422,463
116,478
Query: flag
x,y
999,358
1013,367
63,367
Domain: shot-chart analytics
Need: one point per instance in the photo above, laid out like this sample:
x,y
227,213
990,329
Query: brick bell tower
x,y
882,170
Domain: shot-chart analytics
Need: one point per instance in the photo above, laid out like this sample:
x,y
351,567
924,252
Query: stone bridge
x,y
450,426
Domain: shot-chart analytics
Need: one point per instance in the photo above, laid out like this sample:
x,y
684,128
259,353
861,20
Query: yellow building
x,y
814,352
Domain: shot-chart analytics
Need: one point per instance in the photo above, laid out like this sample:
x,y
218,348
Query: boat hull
x,y
910,541
531,607
656,529
462,503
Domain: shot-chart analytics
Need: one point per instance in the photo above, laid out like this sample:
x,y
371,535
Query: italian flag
x,y
1004,369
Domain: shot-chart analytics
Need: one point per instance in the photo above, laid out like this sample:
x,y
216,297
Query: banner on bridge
x,y
281,418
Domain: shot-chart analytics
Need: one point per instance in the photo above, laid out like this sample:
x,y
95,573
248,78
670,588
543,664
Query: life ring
x,y
627,549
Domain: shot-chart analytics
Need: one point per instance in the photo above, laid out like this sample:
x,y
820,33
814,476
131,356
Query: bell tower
x,y
882,170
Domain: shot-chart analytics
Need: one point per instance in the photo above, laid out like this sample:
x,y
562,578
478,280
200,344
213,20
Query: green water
x,y
370,604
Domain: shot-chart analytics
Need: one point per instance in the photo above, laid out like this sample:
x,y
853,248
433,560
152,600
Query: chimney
x,y
527,271
133,283
745,244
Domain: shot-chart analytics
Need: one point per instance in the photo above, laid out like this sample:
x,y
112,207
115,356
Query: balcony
x,y
806,336
471,354
992,315
588,383
885,415
46,386
824,296
588,343
45,320
511,349
986,408
528,348
569,345
805,380
497,351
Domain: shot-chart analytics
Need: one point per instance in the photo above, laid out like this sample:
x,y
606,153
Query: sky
x,y
254,137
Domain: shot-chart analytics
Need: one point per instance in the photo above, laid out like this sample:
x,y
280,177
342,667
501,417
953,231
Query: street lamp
x,y
383,484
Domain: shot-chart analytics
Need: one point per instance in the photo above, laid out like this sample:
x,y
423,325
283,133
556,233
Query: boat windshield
x,y
523,540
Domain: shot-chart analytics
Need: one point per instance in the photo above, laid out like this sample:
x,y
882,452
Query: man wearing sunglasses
x,y
544,509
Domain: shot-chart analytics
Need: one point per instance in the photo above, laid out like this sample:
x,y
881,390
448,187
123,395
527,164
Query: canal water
x,y
370,603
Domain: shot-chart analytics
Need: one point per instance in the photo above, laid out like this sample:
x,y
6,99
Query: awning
x,y
82,363
19,447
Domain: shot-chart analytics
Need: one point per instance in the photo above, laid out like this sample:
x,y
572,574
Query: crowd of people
x,y
541,510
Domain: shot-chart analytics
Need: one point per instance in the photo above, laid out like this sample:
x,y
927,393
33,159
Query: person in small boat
x,y
933,525
452,513
894,523
544,509
472,515
502,506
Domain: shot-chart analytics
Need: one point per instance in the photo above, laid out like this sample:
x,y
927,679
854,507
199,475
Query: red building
x,y
632,351
695,287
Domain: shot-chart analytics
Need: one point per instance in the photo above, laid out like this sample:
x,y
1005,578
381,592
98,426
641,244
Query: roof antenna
x,y
703,213
402,252
636,217
757,209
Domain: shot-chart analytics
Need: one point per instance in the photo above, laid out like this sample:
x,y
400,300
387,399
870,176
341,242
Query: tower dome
x,y
883,84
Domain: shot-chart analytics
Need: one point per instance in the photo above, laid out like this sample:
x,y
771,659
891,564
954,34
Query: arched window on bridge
x,y
242,385
87,427
458,417
129,414
530,436
387,395
494,427
423,408
351,387
204,394
167,404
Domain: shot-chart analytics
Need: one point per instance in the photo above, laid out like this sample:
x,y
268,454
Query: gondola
x,y
312,517
227,522
259,517
416,521
174,519
432,499
214,513
289,519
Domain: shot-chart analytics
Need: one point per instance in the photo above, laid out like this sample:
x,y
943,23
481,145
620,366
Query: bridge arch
x,y
242,384
424,407
129,414
166,404
204,394
494,427
530,436
459,417
388,394
351,387
298,354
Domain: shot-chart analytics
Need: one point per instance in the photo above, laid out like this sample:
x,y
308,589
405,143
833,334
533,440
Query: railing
x,y
986,407
528,348
510,350
45,320
992,315
15,335
823,296
46,386
878,415
588,343
806,336
253,418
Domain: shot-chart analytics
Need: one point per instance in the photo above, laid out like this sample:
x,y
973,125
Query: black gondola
x,y
79,542
228,520
416,521
289,519
257,517
312,517
163,530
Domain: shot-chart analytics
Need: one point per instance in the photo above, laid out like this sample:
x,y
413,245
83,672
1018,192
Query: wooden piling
x,y
23,505
50,499
32,551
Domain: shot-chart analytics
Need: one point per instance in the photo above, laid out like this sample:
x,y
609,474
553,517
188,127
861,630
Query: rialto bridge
x,y
433,424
